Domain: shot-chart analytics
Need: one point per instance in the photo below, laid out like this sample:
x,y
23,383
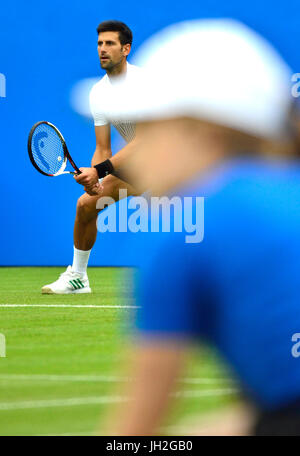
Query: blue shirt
x,y
239,287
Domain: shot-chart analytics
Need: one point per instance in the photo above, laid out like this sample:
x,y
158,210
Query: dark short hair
x,y
125,34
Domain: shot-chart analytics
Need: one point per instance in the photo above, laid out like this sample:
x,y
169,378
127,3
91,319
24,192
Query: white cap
x,y
216,70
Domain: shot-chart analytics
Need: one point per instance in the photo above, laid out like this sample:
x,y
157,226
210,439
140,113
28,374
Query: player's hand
x,y
94,190
88,177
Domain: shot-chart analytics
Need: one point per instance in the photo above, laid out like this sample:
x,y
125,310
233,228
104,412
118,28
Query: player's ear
x,y
126,49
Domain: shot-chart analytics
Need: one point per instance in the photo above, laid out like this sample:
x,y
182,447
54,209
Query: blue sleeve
x,y
171,290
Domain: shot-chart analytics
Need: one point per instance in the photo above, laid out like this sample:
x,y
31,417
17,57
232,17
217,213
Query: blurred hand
x,y
94,190
88,177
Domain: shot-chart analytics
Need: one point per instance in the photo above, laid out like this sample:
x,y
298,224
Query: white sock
x,y
80,260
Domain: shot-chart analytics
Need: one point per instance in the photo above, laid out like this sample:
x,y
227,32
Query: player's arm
x,y
121,157
115,164
102,163
103,144
89,176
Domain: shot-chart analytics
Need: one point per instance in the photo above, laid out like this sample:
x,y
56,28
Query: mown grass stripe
x,y
101,378
79,401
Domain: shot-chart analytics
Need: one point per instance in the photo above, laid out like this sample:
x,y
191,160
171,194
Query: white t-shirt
x,y
100,96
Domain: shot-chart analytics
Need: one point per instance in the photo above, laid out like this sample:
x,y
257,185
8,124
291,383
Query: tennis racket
x,y
48,151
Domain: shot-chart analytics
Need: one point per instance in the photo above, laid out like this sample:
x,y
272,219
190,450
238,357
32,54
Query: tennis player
x,y
239,289
114,45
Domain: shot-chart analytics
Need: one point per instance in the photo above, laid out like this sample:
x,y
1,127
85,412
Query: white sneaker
x,y
69,282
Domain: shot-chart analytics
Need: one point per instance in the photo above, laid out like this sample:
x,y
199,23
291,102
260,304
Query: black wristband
x,y
104,168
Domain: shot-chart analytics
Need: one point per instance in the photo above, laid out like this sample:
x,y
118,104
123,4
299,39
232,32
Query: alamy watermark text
x,y
154,214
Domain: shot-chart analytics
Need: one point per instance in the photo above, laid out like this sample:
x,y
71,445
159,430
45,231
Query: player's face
x,y
111,52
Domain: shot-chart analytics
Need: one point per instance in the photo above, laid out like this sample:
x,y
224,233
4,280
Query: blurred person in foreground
x,y
211,130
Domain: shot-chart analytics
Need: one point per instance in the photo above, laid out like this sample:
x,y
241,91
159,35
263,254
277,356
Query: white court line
x,y
69,306
95,400
100,379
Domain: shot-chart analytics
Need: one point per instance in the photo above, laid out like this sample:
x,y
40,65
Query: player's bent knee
x,y
86,207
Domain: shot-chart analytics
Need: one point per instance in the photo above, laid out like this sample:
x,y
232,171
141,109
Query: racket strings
x,y
47,149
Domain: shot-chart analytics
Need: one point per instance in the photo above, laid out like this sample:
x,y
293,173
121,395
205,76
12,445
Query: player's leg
x,y
85,229
74,279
